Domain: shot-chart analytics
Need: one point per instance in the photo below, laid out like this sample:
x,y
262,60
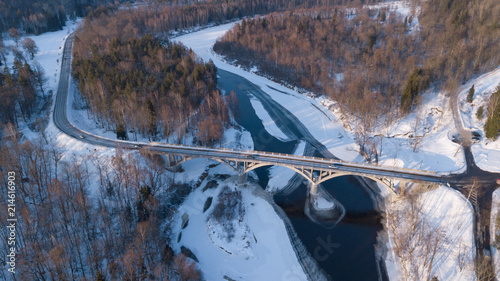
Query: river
x,y
346,251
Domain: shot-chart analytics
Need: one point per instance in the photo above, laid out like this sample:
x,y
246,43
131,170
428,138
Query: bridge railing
x,y
291,156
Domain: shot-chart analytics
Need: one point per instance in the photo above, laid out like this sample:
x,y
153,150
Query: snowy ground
x,y
486,152
402,8
49,57
267,121
422,140
447,212
50,51
493,231
260,248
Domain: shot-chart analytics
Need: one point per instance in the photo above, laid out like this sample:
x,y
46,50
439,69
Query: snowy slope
x,y
422,140
402,8
447,212
486,152
50,52
260,249
493,231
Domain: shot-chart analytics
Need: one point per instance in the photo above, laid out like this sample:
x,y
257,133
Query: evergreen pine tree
x,y
151,118
470,96
121,132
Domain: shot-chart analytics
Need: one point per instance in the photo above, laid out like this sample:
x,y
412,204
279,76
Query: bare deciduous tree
x,y
29,47
39,76
14,34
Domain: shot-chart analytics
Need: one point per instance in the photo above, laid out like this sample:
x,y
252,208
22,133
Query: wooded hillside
x,y
133,82
146,87
36,17
373,61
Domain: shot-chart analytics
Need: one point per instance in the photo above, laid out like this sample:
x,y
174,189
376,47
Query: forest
x,y
149,88
135,82
372,61
85,218
492,124
36,17
18,92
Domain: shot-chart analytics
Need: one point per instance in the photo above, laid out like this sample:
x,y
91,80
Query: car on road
x,y
251,156
137,146
81,136
334,165
476,136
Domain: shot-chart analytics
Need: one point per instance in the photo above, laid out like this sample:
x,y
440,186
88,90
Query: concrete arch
x,y
227,164
243,167
340,174
307,177
185,159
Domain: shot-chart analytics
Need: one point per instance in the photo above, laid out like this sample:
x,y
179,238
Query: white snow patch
x,y
49,54
267,121
486,152
403,9
495,208
260,249
322,203
447,210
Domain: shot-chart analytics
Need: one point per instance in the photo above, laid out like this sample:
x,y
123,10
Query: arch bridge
x,y
314,169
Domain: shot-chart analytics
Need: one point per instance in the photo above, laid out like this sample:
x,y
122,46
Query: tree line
x,y
87,219
36,17
18,91
361,61
371,61
150,88
492,124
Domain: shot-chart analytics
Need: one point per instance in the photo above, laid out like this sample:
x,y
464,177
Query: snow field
x,y
447,212
495,204
267,121
260,249
486,152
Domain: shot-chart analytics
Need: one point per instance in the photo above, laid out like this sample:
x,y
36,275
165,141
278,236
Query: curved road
x,y
307,162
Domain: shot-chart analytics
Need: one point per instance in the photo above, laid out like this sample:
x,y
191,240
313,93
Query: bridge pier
x,y
313,189
403,186
242,178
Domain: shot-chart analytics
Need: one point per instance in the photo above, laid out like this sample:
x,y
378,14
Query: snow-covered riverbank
x,y
434,151
255,247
